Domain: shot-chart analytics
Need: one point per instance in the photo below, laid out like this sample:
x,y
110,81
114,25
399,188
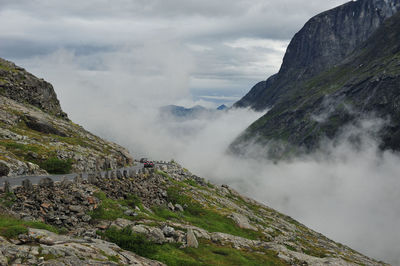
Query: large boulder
x,y
191,240
242,221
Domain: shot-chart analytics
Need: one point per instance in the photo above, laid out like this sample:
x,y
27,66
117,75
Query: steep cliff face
x,y
36,136
324,41
365,85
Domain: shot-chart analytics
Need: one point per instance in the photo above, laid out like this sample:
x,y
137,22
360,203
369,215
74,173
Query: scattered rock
x,y
242,221
191,240
168,231
171,206
156,235
46,182
178,207
130,212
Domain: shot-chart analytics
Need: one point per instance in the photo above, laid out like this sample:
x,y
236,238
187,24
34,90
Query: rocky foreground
x,y
164,215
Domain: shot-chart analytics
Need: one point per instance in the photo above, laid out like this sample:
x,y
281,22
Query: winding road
x,y
17,180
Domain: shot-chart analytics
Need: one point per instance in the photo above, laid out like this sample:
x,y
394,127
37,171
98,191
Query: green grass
x,y
109,257
164,174
210,221
57,166
128,240
110,209
207,253
191,182
175,195
7,199
200,216
11,227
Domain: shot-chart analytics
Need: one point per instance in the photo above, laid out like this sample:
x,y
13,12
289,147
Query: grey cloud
x,y
91,28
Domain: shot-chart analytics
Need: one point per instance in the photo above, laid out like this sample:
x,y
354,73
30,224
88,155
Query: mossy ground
x,y
207,253
11,227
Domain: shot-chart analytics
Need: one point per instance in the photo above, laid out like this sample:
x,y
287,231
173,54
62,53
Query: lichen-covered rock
x,y
63,250
191,240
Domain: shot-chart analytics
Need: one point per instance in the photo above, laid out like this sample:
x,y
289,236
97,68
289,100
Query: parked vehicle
x,y
143,160
148,164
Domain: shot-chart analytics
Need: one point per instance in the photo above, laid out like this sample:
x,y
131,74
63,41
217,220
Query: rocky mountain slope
x,y
321,95
324,41
164,215
36,136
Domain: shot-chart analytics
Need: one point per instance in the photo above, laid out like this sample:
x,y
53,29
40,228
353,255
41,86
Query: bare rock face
x,y
191,240
33,129
65,250
23,87
324,41
242,221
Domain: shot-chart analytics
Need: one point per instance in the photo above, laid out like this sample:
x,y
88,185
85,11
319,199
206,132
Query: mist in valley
x,y
347,192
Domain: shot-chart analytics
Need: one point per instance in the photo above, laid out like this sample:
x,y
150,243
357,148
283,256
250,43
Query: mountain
x,y
318,104
164,215
158,216
222,107
182,113
324,42
36,136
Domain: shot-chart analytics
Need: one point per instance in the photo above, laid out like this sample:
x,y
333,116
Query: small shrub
x,y
177,197
13,231
57,166
8,199
128,240
11,227
132,200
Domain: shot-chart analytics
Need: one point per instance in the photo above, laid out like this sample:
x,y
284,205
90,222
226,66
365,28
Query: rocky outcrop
x,y
29,137
23,87
34,129
324,41
41,247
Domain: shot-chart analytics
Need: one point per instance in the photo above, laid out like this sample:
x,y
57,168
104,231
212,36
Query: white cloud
x,y
233,44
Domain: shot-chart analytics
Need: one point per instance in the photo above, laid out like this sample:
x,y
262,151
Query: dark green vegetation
x,y
111,209
7,199
56,166
128,240
208,253
11,227
365,85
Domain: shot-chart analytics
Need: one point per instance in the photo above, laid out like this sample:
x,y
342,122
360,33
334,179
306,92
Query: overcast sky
x,y
211,48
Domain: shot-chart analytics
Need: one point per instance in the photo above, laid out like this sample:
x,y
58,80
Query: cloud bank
x,y
232,44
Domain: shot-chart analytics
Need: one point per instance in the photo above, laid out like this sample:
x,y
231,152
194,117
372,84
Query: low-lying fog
x,y
350,195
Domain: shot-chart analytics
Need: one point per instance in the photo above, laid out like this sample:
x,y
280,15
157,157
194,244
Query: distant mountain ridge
x,y
324,41
311,105
183,113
